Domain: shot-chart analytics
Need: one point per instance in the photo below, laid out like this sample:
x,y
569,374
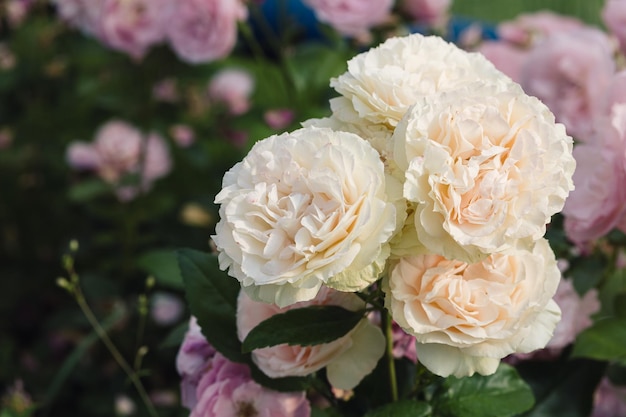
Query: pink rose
x,y
279,119
569,72
191,361
363,345
351,17
81,14
166,308
609,400
133,26
615,93
204,30
614,17
233,88
597,204
226,389
430,12
213,386
576,312
506,57
118,150
183,135
403,344
529,28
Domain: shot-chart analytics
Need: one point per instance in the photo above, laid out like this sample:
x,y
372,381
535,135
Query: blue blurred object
x,y
279,12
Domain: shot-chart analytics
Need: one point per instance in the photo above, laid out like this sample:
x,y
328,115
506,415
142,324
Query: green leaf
x,y
303,326
163,265
405,408
605,340
212,298
175,336
88,190
562,387
499,395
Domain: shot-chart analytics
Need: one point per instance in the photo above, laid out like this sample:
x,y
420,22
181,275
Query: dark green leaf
x,y
175,336
303,326
405,408
88,189
563,387
163,265
605,340
499,395
212,298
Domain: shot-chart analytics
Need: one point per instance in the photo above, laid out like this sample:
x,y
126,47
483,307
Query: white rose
x,y
304,209
382,83
347,360
485,167
466,317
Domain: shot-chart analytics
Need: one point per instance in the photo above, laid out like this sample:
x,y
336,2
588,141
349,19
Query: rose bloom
x,y
615,93
226,389
430,12
119,150
204,30
598,204
351,17
609,400
81,14
530,28
614,17
233,88
466,317
506,57
304,209
347,360
485,169
133,26
213,386
569,72
381,84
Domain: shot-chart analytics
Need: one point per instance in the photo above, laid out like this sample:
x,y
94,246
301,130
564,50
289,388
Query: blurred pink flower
x,y
609,400
118,150
191,362
403,344
6,138
166,90
614,17
576,312
279,119
233,88
351,17
569,72
429,12
507,57
213,386
81,14
133,26
598,203
529,28
166,308
183,135
615,93
7,57
204,30
16,11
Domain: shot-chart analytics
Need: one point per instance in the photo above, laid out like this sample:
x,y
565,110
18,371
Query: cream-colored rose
x,y
485,168
304,209
382,83
347,360
466,317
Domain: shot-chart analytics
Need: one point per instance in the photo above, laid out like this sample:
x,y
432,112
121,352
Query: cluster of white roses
x,y
434,171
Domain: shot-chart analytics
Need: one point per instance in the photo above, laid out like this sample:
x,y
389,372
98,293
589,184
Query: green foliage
x,y
212,297
605,340
303,326
404,408
499,395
